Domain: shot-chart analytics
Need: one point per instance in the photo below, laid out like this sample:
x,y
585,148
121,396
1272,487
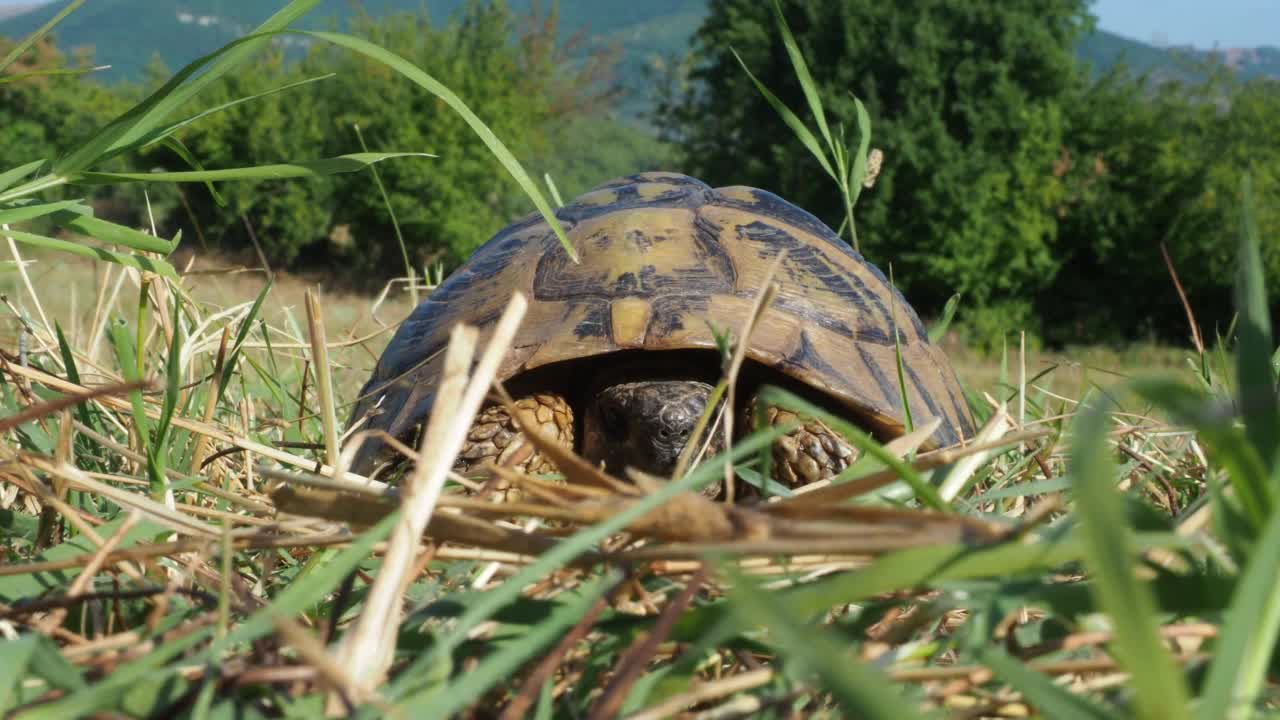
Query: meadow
x,y
182,537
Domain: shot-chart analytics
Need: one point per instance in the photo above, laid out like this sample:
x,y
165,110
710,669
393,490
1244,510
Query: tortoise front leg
x,y
495,439
807,454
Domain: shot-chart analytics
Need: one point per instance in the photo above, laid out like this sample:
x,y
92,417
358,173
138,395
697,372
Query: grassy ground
x,y
181,537
70,289
933,642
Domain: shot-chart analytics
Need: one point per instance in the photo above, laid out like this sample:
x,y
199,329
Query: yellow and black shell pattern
x,y
661,255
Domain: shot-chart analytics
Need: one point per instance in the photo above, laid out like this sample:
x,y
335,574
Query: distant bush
x,y
1151,164
43,115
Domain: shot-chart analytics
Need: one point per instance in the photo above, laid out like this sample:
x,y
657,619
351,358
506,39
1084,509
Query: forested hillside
x,y
128,34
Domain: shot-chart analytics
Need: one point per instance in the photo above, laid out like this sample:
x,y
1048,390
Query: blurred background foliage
x,y
1025,166
1015,174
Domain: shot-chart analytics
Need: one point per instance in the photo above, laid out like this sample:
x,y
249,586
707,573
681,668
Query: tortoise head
x,y
644,424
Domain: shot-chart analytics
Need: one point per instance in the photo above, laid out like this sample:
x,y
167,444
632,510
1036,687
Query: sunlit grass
x,y
1106,546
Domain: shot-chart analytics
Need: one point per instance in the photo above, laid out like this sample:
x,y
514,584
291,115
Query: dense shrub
x,y
1151,165
45,114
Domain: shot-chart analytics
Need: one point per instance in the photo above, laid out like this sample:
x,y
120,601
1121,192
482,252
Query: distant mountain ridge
x,y
126,34
1105,49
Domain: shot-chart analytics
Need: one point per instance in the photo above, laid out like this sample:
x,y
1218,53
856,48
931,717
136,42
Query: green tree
x,y
1153,163
45,115
287,215
965,100
510,73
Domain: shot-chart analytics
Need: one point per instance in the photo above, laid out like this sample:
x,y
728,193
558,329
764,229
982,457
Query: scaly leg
x,y
809,453
495,439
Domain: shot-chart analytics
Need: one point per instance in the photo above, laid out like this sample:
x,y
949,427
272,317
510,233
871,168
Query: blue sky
x,y
1231,23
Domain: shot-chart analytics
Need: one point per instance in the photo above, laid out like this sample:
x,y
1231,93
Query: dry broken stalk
x,y
324,380
1186,304
370,645
211,401
704,692
76,479
763,298
21,266
214,432
965,467
75,397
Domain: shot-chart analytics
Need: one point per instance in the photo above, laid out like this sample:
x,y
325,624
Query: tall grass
x,y
181,537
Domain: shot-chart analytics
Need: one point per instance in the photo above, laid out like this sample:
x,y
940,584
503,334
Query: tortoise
x,y
617,354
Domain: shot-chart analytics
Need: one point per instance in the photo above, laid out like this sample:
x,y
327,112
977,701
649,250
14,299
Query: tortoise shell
x,y
663,257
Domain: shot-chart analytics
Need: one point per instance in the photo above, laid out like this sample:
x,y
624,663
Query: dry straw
x,y
369,646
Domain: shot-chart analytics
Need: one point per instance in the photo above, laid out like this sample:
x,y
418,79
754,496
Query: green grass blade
x,y
859,169
15,656
801,68
1232,450
26,213
1051,699
54,72
797,126
861,691
939,329
1004,362
80,220
172,390
1257,391
103,696
126,355
921,567
9,177
499,666
551,188
907,421
1158,687
180,149
128,129
1249,634
316,168
229,367
435,87
395,222
137,262
160,134
73,373
40,32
